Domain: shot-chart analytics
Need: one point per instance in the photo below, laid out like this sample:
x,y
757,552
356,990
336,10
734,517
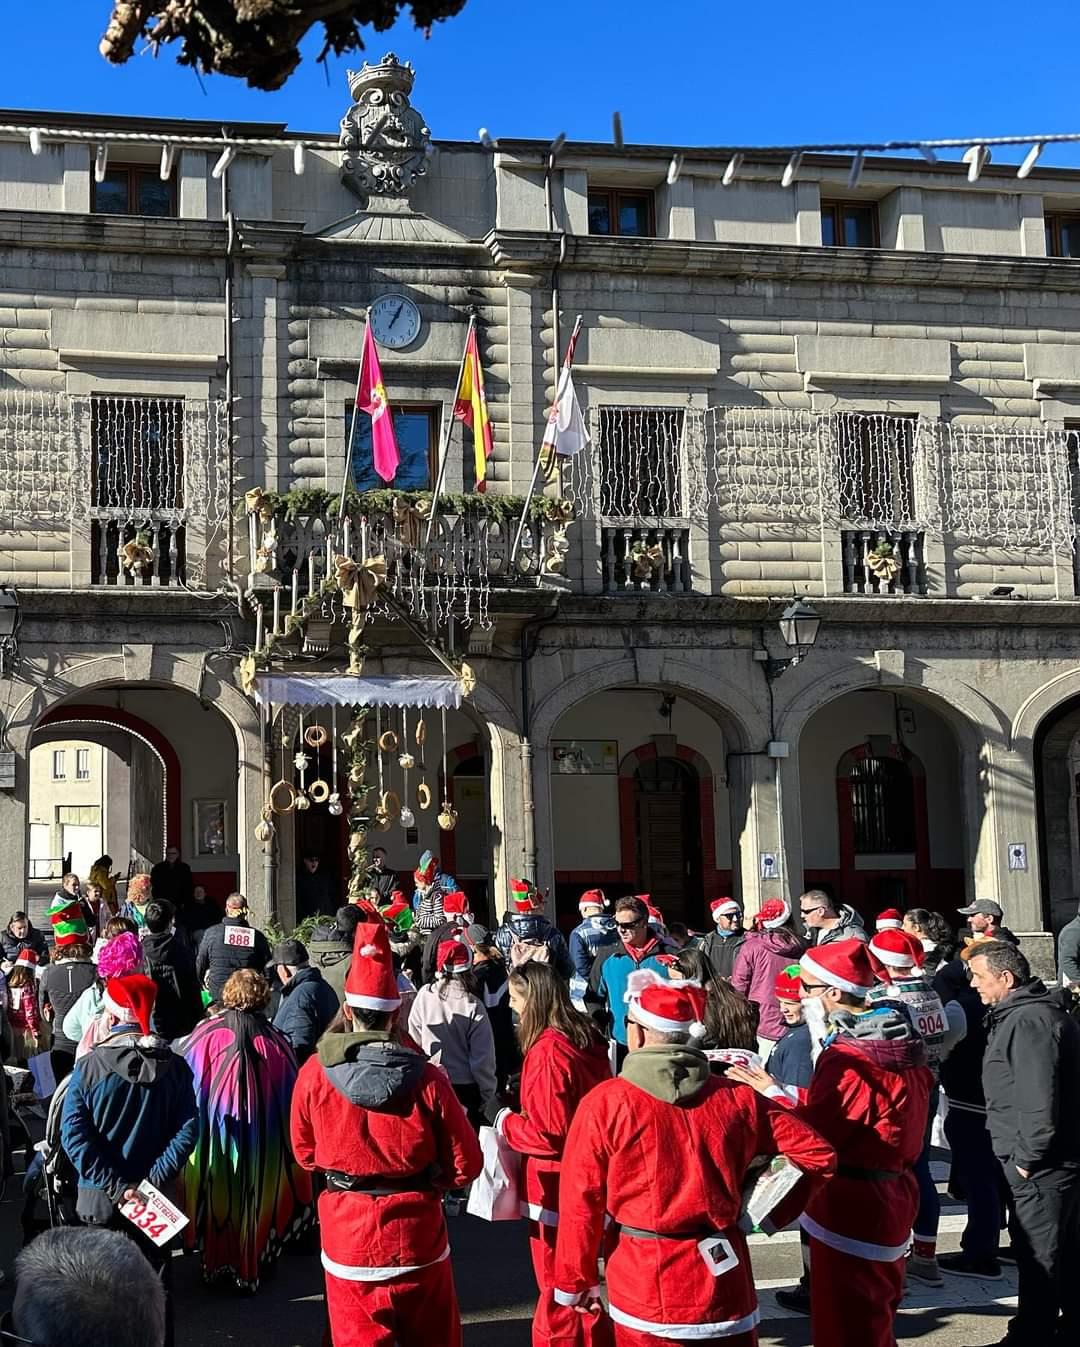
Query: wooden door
x,y
669,836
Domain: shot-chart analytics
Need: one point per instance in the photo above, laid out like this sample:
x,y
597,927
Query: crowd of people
x,y
689,1088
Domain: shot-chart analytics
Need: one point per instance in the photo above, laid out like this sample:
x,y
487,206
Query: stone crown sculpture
x,y
385,144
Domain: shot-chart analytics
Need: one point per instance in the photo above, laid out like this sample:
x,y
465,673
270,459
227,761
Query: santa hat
x,y
724,907
789,984
668,1007
893,953
427,869
68,922
843,963
593,898
773,912
453,956
455,904
27,959
131,999
523,895
889,920
370,983
656,917
397,910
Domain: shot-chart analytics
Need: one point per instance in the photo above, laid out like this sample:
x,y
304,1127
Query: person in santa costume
x,y
565,1057
663,1152
869,1096
889,920
386,1130
721,946
594,933
457,911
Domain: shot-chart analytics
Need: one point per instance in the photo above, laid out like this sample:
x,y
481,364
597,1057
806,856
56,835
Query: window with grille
x,y
882,806
59,768
875,467
82,764
138,452
639,450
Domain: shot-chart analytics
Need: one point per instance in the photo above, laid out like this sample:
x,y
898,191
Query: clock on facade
x,y
395,321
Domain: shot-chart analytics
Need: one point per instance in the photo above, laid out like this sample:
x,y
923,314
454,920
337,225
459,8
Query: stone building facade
x,y
864,395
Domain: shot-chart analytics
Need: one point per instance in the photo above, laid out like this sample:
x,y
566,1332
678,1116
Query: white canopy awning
x,y
352,690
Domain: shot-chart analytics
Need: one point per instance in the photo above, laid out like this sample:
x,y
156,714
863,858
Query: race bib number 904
x,y
240,937
153,1214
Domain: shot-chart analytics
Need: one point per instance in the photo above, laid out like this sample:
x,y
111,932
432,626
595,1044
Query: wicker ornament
x,y
301,761
421,733
423,796
334,806
388,741
447,818
264,829
319,791
315,736
406,760
302,801
389,804
282,798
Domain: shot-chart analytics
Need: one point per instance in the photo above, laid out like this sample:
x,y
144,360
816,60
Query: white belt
x,y
858,1248
376,1274
725,1328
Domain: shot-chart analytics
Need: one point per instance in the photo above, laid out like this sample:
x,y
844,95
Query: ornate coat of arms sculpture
x,y
384,142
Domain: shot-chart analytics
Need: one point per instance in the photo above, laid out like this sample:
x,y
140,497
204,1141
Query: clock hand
x,y
397,314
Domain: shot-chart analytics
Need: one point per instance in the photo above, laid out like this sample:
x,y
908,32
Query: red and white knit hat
x,y
894,953
523,895
131,999
455,904
27,959
724,907
453,956
668,1007
788,985
772,913
889,920
844,964
593,898
370,983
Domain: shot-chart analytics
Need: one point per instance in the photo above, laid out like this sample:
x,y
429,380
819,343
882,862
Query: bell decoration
x,y
406,760
301,761
264,830
302,801
447,818
334,805
407,818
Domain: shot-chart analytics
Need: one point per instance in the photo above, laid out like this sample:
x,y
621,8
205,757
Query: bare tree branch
x,y
255,40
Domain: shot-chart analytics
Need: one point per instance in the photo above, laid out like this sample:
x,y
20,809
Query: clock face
x,y
395,321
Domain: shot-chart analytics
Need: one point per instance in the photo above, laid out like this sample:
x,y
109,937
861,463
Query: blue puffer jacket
x,y
129,1115
534,927
607,986
590,938
308,1004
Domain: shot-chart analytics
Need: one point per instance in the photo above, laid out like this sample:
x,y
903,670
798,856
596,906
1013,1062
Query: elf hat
x,y
593,898
523,895
844,964
669,1007
889,920
131,999
396,909
894,953
68,922
455,904
789,984
724,907
453,956
426,869
370,983
772,913
27,959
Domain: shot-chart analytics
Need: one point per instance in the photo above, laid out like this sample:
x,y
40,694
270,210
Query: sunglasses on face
x,y
630,925
813,987
809,911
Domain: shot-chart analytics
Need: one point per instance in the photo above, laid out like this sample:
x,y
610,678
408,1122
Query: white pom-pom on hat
x,y
639,979
698,1030
368,950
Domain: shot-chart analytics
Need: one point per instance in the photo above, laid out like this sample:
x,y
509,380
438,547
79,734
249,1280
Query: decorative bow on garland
x,y
410,519
881,562
646,561
256,501
359,581
137,556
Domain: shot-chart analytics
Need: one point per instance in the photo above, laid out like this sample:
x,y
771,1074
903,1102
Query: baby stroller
x,y
50,1188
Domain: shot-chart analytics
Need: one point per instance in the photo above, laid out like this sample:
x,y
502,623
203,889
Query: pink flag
x,y
371,398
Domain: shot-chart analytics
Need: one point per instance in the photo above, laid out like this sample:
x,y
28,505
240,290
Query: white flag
x,y
566,431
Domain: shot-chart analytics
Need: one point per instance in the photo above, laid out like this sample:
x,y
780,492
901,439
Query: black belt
x,y
635,1233
377,1185
868,1175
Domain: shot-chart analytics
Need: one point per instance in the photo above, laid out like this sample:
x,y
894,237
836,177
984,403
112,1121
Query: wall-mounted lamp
x,y
799,625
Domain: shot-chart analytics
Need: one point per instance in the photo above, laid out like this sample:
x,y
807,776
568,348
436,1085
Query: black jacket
x,y
385,881
173,883
720,951
60,986
217,961
1068,951
170,961
961,1070
33,939
1031,1078
308,1004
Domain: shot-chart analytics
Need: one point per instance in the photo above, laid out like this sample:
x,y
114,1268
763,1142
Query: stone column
x,y
773,826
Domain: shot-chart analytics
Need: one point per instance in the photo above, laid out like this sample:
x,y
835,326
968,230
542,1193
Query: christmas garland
x,y
306,500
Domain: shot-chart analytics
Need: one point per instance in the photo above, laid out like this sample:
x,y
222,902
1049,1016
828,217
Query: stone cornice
x,y
524,250
110,233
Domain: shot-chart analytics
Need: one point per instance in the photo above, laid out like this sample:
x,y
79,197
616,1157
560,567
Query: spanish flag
x,y
470,407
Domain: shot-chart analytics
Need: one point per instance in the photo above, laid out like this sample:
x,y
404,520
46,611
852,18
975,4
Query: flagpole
x,y
352,424
567,361
444,439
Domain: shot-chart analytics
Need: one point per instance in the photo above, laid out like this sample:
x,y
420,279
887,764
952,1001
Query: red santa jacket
x,y
555,1078
665,1149
368,1107
869,1097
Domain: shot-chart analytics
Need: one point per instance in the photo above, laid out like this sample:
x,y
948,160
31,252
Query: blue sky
x,y
681,72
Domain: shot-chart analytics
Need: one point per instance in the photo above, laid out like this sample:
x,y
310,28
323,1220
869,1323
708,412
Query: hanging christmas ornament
x,y
388,741
407,818
315,736
447,816
264,829
423,796
334,805
421,732
319,791
302,801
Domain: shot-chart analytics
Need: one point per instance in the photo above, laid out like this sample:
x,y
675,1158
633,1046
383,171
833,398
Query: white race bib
x,y
240,937
717,1255
153,1214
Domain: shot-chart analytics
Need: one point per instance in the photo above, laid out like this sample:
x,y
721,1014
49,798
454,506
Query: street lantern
x,y
799,626
9,627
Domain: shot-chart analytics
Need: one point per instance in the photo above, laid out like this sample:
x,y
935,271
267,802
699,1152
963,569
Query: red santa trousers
x,y
560,1325
853,1301
417,1307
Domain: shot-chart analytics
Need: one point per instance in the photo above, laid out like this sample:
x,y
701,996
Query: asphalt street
x,y
495,1286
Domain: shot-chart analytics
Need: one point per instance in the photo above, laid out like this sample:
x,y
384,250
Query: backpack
x,y
528,951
